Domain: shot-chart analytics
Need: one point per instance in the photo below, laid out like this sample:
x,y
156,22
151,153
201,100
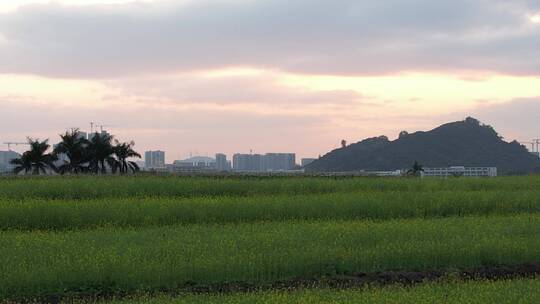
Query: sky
x,y
196,77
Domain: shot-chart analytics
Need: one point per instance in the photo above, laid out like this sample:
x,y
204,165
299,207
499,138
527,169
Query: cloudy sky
x,y
206,76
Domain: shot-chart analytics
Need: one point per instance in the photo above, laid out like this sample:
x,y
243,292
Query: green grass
x,y
481,292
91,187
138,212
115,260
64,236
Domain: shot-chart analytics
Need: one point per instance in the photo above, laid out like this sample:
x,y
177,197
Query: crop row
x,y
88,187
481,292
145,259
34,214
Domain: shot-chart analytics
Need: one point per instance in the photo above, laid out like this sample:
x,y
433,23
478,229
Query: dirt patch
x,y
343,281
502,272
382,278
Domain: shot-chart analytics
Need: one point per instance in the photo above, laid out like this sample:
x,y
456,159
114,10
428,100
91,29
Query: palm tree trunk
x,y
103,169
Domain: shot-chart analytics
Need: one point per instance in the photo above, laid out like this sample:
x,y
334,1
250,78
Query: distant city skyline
x,y
184,153
231,76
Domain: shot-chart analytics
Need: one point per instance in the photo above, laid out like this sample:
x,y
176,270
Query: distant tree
x,y
73,146
22,164
472,121
78,154
100,153
343,143
36,159
416,169
403,134
122,152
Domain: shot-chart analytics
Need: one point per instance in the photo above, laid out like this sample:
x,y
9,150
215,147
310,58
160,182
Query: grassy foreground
x,y
113,260
88,236
502,292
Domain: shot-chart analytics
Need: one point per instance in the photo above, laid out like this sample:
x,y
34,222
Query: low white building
x,y
385,173
460,171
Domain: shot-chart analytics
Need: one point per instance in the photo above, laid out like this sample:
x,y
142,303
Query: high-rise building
x,y
221,162
279,161
248,162
154,160
241,162
261,163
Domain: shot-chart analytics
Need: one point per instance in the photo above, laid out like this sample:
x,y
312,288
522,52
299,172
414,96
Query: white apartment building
x,y
264,163
154,160
248,162
221,162
279,161
460,171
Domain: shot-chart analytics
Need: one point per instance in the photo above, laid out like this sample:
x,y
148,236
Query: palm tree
x,y
22,164
123,151
416,169
73,146
36,159
100,151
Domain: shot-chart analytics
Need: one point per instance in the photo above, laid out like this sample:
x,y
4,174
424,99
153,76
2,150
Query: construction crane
x,y
10,143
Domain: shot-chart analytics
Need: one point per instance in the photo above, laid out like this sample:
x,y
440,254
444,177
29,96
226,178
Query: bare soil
x,y
343,281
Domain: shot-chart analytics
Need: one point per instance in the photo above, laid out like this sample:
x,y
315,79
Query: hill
x,y
463,143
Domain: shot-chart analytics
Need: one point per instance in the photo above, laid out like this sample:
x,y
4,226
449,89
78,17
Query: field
x,y
501,292
269,239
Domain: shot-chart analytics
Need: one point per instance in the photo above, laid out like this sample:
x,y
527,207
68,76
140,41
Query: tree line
x,y
75,154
